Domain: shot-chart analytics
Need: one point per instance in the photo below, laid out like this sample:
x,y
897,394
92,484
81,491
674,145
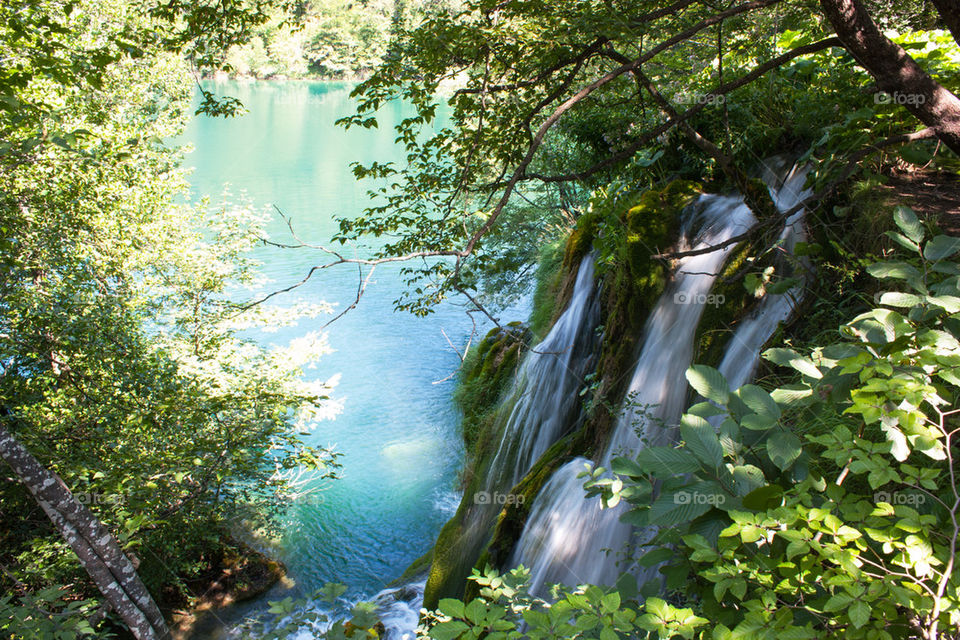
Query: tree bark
x,y
895,71
949,10
99,552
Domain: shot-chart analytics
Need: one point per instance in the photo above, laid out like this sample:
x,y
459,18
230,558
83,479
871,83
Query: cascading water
x,y
743,351
542,407
544,394
572,540
399,610
568,538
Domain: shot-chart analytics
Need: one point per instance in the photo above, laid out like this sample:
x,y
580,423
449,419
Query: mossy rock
x,y
513,517
634,229
419,568
484,379
717,323
485,374
556,275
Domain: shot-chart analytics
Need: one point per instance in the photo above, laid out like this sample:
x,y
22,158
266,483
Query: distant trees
x,y
333,39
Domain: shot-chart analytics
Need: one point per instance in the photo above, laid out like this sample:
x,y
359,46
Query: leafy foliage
x,y
850,531
125,350
543,107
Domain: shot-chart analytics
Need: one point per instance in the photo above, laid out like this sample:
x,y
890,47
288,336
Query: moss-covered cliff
x,y
625,228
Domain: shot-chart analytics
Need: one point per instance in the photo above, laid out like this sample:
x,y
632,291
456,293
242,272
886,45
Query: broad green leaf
x,y
906,219
759,401
700,438
764,498
709,383
859,613
667,461
451,607
448,630
898,299
895,270
627,467
790,358
673,508
940,247
783,448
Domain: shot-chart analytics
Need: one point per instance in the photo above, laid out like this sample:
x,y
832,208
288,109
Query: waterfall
x,y
542,408
545,389
743,351
568,538
399,610
572,540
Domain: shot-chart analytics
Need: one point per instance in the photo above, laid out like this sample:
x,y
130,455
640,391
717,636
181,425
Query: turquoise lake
x,y
398,428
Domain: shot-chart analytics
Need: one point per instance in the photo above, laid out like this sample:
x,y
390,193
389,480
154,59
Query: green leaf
x,y
610,602
475,611
764,498
907,220
627,467
792,395
783,448
331,591
759,401
700,438
709,383
790,358
448,630
941,247
667,461
898,299
895,270
673,508
859,613
451,607
757,422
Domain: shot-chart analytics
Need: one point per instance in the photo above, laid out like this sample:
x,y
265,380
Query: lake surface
x,y
398,428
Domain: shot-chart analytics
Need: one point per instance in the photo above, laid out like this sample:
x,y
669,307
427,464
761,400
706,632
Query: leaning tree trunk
x,y
949,10
99,553
894,70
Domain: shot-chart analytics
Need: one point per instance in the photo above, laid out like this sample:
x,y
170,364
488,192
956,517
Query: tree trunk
x,y
895,71
949,10
99,553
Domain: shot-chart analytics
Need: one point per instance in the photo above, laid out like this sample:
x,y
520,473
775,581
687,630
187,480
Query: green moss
x,y
716,325
581,239
757,196
555,277
634,227
484,375
418,568
460,541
